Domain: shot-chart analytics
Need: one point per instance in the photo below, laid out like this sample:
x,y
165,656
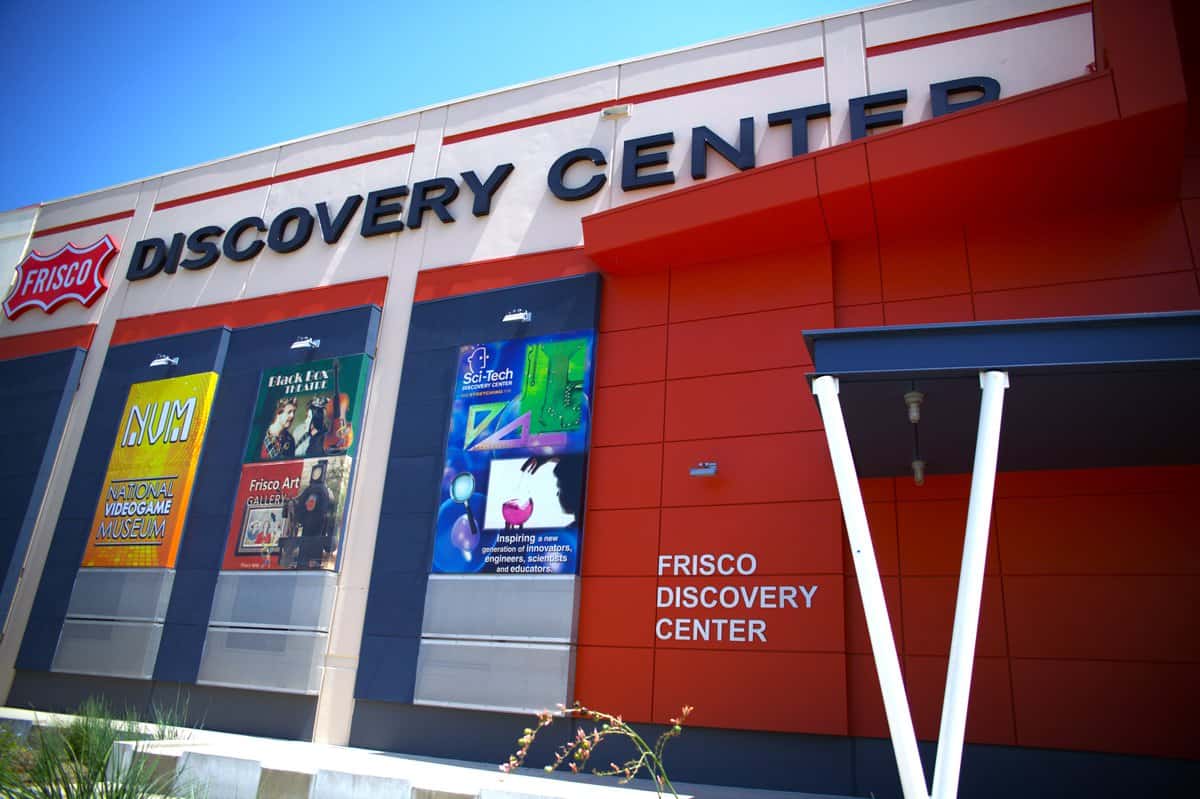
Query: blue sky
x,y
96,94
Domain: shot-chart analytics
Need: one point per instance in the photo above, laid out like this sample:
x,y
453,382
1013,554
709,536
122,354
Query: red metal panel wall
x,y
1087,632
702,364
1123,260
1042,622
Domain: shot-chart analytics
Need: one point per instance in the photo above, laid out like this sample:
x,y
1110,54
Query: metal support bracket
x,y
970,591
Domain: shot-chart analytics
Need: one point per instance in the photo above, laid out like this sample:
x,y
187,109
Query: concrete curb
x,y
234,766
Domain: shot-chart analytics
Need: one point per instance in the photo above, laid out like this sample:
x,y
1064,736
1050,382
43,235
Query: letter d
x,y
156,250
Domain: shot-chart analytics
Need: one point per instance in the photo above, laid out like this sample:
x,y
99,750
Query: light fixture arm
x,y
305,343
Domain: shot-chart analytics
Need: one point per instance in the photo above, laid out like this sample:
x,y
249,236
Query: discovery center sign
x,y
567,178
730,611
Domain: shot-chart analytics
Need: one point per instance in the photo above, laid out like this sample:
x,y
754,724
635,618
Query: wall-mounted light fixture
x,y
616,111
305,343
913,400
703,469
918,467
518,315
164,360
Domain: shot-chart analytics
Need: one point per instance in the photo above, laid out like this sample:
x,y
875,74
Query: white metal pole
x,y
870,586
970,588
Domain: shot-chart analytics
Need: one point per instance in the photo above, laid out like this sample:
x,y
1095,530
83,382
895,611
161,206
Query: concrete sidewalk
x,y
230,766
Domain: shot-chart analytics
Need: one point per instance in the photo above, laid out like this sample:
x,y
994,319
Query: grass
x,y
75,761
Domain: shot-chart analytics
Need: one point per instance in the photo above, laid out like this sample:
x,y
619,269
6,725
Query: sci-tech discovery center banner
x,y
290,507
148,485
511,498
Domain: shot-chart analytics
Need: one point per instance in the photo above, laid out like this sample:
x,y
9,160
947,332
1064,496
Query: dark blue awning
x,y
1085,392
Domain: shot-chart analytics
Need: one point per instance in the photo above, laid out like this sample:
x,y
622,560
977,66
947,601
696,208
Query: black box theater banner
x,y
511,497
290,507
139,518
308,411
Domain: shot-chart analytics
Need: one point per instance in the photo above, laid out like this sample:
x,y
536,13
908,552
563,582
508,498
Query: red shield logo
x,y
72,273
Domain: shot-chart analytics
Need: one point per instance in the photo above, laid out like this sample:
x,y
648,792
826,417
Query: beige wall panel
x,y
718,109
344,639
912,20
351,142
525,216
224,281
846,73
1022,60
547,97
76,209
743,54
218,175
123,232
19,222
353,257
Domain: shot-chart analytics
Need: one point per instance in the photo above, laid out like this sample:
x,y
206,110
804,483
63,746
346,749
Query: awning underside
x,y
1085,392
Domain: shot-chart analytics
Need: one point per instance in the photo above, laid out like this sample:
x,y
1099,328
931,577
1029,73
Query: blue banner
x,y
511,496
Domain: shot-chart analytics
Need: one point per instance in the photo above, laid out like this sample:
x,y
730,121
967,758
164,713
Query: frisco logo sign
x,y
72,273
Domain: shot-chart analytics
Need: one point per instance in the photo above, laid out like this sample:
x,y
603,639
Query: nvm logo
x,y
159,423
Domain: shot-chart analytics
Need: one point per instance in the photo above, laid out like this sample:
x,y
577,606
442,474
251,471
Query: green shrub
x,y
75,762
16,758
577,752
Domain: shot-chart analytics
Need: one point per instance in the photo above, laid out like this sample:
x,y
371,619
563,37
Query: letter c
x,y
230,245
558,170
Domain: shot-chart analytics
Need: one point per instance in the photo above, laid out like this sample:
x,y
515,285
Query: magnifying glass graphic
x,y
461,489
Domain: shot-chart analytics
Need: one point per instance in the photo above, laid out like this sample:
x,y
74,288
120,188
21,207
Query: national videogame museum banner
x,y
148,485
511,498
290,508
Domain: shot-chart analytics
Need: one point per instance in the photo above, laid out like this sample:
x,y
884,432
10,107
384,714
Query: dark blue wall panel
x,y
401,543
396,599
251,351
36,392
239,356
387,668
123,366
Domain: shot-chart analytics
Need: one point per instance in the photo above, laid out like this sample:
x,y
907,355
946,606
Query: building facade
x,y
388,436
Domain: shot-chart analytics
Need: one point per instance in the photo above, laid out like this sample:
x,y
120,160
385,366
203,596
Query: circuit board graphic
x,y
552,390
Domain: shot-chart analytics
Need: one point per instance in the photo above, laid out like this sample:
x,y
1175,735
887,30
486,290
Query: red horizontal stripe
x,y
251,311
658,94
283,177
97,220
496,273
727,80
46,341
541,119
980,30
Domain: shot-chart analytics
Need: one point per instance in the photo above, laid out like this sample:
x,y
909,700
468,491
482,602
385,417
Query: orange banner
x,y
141,511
